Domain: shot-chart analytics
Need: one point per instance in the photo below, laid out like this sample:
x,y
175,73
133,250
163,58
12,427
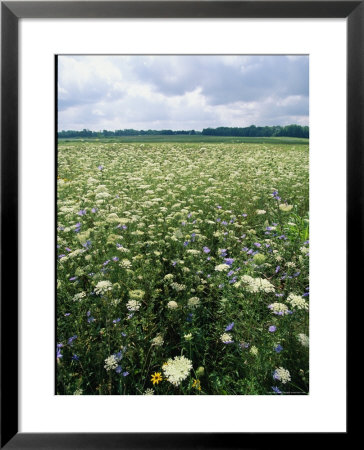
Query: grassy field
x,y
183,267
194,139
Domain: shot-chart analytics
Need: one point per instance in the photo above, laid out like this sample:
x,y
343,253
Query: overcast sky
x,y
181,92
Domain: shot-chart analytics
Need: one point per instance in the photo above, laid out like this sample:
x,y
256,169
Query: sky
x,y
181,92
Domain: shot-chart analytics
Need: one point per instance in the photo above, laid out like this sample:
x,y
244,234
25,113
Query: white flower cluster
x,y
158,341
257,284
303,339
282,375
110,363
178,287
133,305
102,287
285,208
193,302
177,369
279,308
222,267
79,296
297,302
226,338
172,305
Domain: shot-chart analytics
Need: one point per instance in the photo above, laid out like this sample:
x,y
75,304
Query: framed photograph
x,y
175,257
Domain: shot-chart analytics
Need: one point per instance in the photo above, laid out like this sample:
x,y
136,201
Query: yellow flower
x,y
196,384
156,378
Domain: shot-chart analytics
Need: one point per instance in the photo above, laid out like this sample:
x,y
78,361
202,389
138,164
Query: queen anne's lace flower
x,y
279,308
226,338
257,284
172,305
282,375
193,302
133,305
297,302
110,363
102,287
222,267
177,369
303,339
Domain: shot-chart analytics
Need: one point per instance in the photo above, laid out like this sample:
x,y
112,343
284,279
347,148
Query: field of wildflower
x,y
182,268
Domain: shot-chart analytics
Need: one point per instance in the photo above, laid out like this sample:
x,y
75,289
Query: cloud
x,y
181,92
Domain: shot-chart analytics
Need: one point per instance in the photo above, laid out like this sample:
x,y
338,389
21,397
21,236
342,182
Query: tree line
x,y
252,131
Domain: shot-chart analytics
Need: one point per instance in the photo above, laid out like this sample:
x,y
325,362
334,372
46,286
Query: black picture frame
x,y
11,12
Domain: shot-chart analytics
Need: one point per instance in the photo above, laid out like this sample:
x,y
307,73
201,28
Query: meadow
x,y
182,267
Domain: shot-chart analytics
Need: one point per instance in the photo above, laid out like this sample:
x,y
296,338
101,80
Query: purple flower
x,y
230,273
125,374
59,354
118,369
257,244
94,210
206,250
100,167
82,212
115,258
67,314
189,318
71,339
75,357
61,256
276,390
229,261
116,320
277,269
185,243
73,278
278,349
272,329
230,326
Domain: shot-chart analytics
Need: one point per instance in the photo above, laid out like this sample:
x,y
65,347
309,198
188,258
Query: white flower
x,y
188,336
177,369
172,305
193,302
102,287
297,302
110,363
226,338
79,296
282,375
254,350
260,212
285,208
303,339
257,284
149,391
178,287
158,341
125,264
222,267
279,308
133,305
